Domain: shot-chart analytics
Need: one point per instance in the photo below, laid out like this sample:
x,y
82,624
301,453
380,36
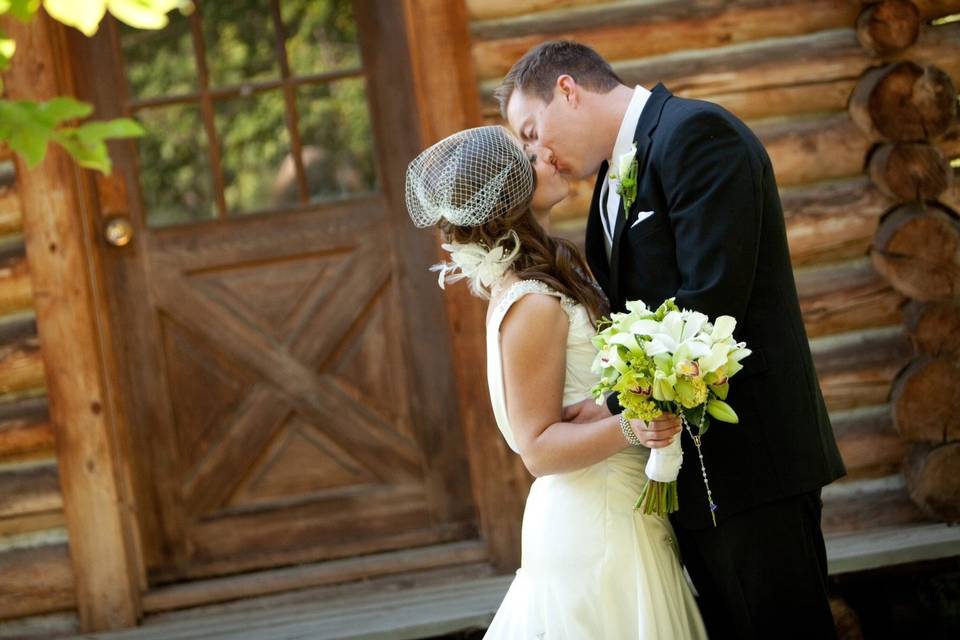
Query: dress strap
x,y
521,288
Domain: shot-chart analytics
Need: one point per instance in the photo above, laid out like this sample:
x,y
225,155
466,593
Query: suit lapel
x,y
649,118
594,243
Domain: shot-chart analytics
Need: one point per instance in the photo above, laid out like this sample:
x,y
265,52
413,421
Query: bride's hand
x,y
585,411
659,432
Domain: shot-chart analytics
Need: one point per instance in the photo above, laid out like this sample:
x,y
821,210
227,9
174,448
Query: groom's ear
x,y
567,90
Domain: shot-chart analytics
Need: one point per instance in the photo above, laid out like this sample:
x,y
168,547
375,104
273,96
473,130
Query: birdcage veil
x,y
469,178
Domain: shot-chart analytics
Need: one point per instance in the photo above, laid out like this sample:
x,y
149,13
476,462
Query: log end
x,y
926,401
917,248
888,26
931,475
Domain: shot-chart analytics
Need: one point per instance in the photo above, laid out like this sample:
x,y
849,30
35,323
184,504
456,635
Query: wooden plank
x,y
447,102
11,216
47,625
230,588
620,31
29,488
856,369
21,365
31,522
411,613
846,296
16,292
780,76
868,442
487,9
58,247
891,546
805,150
832,220
36,576
826,221
328,593
865,504
25,430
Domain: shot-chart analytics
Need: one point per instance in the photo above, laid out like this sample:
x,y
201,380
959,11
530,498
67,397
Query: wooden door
x,y
285,358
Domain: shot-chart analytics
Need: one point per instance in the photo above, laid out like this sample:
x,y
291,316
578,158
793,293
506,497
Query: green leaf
x,y
65,108
110,129
30,141
20,9
89,152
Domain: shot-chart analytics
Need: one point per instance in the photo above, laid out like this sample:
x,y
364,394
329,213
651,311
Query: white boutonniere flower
x,y
626,177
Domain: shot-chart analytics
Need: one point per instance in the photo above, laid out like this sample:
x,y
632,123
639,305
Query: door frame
x,y
61,229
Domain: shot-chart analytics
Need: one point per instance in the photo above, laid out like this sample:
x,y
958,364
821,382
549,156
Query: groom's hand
x,y
585,411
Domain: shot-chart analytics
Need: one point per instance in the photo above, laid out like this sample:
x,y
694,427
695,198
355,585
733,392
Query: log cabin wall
x,y
37,587
36,579
789,68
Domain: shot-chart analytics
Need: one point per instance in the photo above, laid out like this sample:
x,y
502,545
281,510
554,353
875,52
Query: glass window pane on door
x,y
240,42
338,154
174,166
255,151
159,62
321,36
252,106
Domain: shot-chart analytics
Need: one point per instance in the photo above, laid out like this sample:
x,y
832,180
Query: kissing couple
x,y
685,207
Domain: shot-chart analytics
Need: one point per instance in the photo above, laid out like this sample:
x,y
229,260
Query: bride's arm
x,y
533,347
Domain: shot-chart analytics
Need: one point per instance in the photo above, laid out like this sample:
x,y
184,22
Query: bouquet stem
x,y
659,498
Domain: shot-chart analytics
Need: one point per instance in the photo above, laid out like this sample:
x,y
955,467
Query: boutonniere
x,y
626,178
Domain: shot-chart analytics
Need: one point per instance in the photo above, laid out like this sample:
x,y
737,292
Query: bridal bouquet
x,y
668,361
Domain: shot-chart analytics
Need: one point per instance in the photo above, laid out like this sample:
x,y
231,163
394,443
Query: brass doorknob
x,y
118,231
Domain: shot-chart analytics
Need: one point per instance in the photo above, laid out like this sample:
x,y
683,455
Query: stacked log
x,y
37,576
906,107
796,72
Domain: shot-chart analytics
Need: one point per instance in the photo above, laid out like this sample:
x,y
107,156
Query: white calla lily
x,y
723,328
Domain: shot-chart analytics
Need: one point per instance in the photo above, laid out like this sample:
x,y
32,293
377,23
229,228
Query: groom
x,y
704,225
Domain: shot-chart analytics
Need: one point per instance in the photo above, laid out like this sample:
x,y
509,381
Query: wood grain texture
x,y
794,75
36,579
931,475
11,215
21,366
857,369
832,221
637,30
904,101
868,442
846,296
29,489
67,319
25,430
868,503
910,170
497,475
934,327
926,401
917,248
888,26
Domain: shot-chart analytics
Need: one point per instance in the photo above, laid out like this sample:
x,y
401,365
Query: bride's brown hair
x,y
554,261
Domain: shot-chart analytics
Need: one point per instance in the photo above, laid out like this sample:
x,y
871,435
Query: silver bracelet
x,y
628,432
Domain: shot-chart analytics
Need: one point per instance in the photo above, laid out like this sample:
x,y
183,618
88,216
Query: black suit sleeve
x,y
715,205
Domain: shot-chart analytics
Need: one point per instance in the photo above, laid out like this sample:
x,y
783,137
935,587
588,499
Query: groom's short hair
x,y
537,71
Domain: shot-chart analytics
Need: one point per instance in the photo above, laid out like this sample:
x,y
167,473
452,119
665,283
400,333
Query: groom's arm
x,y
709,176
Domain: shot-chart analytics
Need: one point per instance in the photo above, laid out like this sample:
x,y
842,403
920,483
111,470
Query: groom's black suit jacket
x,y
717,242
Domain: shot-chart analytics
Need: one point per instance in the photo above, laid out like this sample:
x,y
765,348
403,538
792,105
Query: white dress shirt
x,y
608,192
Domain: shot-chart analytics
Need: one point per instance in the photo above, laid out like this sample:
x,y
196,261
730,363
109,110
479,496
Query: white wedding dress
x,y
592,568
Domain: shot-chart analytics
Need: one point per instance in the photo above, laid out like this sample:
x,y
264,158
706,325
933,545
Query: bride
x,y
591,567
